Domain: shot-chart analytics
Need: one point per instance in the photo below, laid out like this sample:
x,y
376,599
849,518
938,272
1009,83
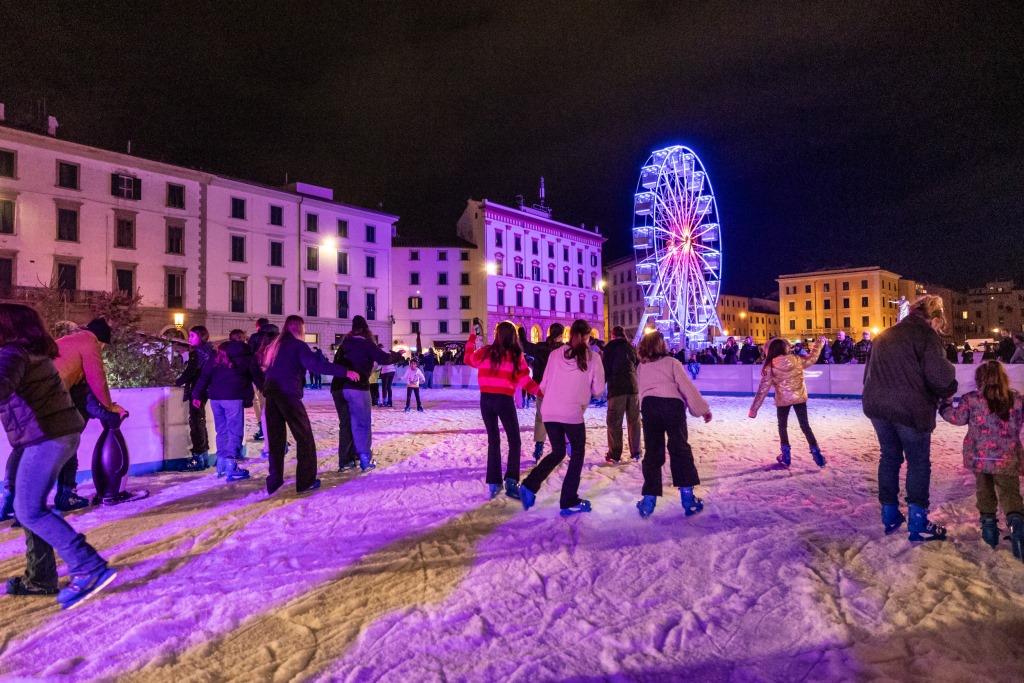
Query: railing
x,y
30,294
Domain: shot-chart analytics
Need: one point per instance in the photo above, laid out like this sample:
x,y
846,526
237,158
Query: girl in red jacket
x,y
501,370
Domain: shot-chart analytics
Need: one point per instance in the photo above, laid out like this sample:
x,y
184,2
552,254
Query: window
x,y
593,260
312,258
312,222
792,306
536,300
535,247
551,250
276,215
828,323
827,304
175,289
864,301
846,286
807,324
565,253
414,255
442,303
237,296
442,326
67,175
371,233
519,297
238,208
807,305
125,237
371,266
465,326
828,286
415,303
7,166
342,263
568,303
565,278
497,238
238,248
463,278
6,217
551,274
312,301
175,239
552,302
463,255
499,267
124,280
343,228
865,321
579,257
414,327
579,280
442,255
276,298
863,284
125,186
277,254
501,296
846,323
67,225
442,278
414,278
518,243
792,324
371,305
535,272
175,196
343,303
67,276
846,302
6,275
807,289
519,269
593,307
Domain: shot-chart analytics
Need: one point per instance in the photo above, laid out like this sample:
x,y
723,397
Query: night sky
x,y
834,135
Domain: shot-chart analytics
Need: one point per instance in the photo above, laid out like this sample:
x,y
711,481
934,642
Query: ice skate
x,y
84,586
238,475
538,450
493,490
67,500
366,463
527,497
512,488
582,506
892,518
646,506
1016,523
691,504
784,457
921,529
990,530
816,455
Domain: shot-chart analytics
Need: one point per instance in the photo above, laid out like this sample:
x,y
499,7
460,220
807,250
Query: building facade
x,y
624,296
851,299
198,248
531,269
985,312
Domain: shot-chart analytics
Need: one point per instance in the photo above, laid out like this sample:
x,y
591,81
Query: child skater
x,y
785,372
227,381
413,378
41,421
665,395
573,376
501,369
994,414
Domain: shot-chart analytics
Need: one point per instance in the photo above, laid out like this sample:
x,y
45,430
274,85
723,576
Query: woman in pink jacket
x,y
573,376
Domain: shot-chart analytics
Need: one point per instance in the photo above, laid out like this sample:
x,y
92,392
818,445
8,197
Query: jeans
x,y
37,473
540,435
897,442
197,429
986,486
666,416
782,412
429,374
286,411
346,444
628,405
495,408
374,393
409,391
358,402
558,431
386,379
229,421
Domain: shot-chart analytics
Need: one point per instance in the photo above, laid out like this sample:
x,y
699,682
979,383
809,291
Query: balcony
x,y
20,294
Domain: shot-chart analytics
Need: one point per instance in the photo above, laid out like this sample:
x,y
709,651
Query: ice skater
x,y
226,380
573,376
501,370
994,415
540,353
413,378
666,393
784,372
43,424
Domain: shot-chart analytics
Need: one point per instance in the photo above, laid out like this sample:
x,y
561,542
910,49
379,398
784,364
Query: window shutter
x,y
136,188
114,178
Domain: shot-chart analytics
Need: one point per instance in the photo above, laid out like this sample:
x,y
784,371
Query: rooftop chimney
x,y
51,126
541,193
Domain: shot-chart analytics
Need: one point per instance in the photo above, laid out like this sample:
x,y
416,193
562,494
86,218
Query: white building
x,y
625,298
199,248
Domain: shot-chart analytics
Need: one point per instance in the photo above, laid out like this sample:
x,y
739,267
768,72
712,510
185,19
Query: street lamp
x,y
491,267
329,242
179,320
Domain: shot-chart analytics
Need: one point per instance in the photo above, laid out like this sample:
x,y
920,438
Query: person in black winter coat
x,y
228,382
200,353
842,349
906,377
749,353
358,352
256,341
952,354
285,364
620,362
862,349
1006,348
826,354
540,353
730,352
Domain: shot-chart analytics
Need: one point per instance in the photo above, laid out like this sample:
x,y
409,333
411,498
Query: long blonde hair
x,y
292,325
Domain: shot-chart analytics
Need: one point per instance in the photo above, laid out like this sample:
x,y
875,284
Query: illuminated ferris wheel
x,y
678,244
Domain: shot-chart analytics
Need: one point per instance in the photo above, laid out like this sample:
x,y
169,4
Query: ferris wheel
x,y
678,244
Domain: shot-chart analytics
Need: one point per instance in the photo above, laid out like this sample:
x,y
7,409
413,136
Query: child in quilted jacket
x,y
994,415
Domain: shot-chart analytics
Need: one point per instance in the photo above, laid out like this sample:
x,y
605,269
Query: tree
x,y
132,359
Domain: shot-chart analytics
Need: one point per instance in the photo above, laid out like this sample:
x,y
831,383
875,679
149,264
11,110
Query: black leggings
x,y
496,408
286,412
386,378
558,432
801,416
409,391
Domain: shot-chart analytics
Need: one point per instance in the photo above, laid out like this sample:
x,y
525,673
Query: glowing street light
x,y
329,242
179,320
743,315
874,330
491,267
601,284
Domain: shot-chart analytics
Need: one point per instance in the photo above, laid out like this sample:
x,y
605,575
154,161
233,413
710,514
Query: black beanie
x,y
100,328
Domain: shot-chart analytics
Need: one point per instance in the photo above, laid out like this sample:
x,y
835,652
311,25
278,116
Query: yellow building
x,y
743,316
850,299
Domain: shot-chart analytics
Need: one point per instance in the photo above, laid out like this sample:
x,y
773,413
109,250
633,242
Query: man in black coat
x,y
540,353
862,349
842,349
749,354
906,377
620,361
1006,347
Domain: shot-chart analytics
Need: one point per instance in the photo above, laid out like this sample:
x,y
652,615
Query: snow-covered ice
x,y
410,573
